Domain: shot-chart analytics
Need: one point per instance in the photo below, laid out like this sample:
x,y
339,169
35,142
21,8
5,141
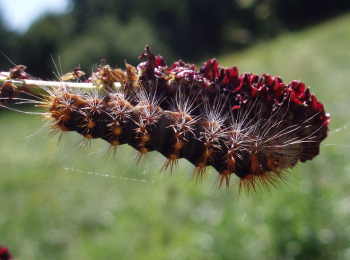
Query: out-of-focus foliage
x,y
47,212
8,45
296,14
187,29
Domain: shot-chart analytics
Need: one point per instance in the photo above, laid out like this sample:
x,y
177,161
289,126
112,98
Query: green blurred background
x,y
59,202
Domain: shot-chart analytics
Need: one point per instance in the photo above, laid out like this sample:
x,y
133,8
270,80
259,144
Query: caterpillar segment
x,y
249,126
176,135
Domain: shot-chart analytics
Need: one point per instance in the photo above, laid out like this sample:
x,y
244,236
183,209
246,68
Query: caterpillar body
x,y
254,127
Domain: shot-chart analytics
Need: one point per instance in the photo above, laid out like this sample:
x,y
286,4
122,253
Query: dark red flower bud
x,y
5,253
210,69
18,72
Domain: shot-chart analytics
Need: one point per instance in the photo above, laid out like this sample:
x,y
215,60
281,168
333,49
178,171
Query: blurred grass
x,y
48,212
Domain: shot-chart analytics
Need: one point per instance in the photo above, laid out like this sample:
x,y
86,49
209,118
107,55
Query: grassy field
x,y
57,202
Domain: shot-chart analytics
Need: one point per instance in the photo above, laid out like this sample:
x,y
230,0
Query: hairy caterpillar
x,y
255,127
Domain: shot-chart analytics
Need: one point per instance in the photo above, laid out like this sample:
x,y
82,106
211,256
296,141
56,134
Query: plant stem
x,y
35,85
